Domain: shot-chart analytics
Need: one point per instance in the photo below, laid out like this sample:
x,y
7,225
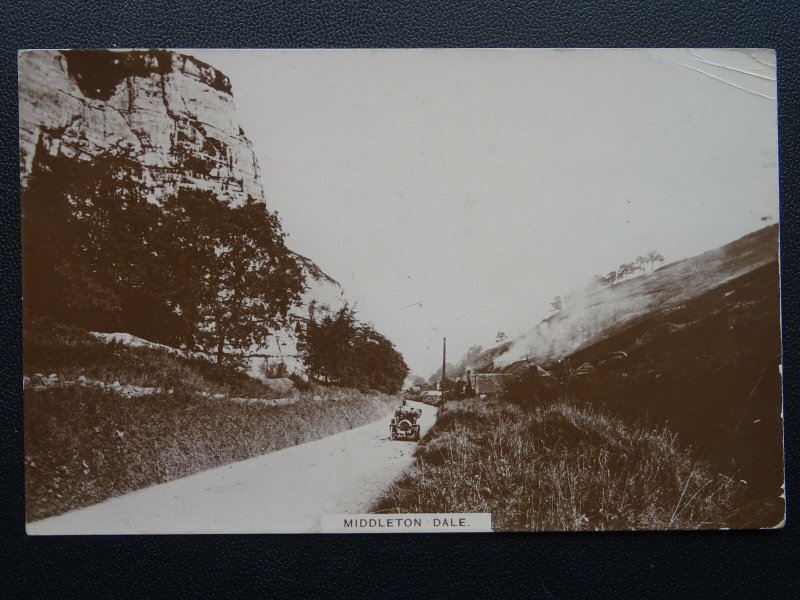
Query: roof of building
x,y
523,365
584,369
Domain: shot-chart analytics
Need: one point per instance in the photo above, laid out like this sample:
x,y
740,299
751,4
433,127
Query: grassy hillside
x,y
559,467
709,369
668,416
587,319
84,444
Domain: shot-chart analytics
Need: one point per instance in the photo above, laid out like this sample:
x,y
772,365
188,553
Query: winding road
x,y
285,491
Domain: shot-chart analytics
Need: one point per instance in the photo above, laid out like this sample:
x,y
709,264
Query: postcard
x,y
400,291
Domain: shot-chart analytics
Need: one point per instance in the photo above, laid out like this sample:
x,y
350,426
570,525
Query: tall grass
x,y
83,445
558,467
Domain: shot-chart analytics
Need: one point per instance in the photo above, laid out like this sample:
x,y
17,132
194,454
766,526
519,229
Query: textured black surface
x,y
738,564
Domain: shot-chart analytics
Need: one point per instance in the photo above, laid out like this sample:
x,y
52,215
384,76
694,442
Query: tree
x,y
88,246
469,392
556,304
338,349
232,279
326,345
470,358
654,258
627,269
500,338
376,364
468,361
650,259
436,378
192,270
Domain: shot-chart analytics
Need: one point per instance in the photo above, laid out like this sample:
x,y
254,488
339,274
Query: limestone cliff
x,y
172,114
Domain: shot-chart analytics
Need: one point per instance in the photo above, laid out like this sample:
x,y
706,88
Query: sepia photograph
x,y
400,291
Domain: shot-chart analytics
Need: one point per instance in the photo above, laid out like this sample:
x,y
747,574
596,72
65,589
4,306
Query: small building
x,y
489,385
586,368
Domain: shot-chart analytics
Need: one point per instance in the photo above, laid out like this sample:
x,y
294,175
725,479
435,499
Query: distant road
x,y
280,492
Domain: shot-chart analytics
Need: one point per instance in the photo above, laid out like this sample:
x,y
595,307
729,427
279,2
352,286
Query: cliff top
x,y
98,72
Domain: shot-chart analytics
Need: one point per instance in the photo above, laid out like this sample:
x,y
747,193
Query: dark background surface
x,y
683,564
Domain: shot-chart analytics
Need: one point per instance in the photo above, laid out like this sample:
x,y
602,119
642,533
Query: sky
x,y
456,192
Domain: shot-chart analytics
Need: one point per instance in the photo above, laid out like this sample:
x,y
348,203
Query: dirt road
x,y
284,491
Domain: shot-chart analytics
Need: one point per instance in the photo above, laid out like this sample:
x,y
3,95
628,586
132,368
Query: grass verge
x,y
86,444
558,467
71,352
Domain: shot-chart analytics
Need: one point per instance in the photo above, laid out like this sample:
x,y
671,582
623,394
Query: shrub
x,y
300,384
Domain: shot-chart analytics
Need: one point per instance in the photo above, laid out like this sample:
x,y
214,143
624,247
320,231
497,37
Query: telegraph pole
x,y
444,357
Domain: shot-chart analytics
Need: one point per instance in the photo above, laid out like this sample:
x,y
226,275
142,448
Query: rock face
x,y
323,296
171,113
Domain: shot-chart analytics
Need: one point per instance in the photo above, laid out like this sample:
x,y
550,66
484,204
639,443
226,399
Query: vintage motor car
x,y
404,424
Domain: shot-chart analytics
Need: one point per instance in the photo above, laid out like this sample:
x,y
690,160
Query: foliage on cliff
x,y
191,271
231,277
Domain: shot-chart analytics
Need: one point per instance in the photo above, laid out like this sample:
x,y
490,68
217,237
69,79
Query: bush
x,y
300,384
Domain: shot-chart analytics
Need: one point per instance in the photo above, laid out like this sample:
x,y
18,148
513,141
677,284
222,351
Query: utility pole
x,y
444,357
